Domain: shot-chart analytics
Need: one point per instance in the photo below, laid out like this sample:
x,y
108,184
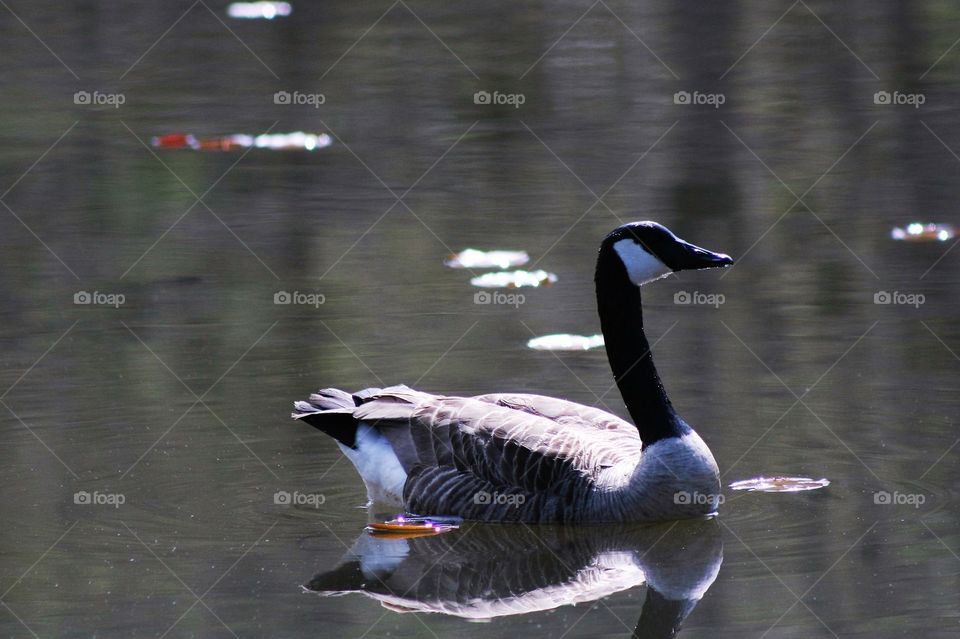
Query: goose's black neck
x,y
621,320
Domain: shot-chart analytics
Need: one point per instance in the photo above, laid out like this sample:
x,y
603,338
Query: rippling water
x,y
175,402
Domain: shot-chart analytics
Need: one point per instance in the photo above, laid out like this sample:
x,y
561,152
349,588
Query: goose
x,y
516,457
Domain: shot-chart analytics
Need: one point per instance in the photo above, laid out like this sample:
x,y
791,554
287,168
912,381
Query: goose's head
x,y
650,251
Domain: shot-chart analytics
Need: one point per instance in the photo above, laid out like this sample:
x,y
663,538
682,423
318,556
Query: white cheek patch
x,y
642,267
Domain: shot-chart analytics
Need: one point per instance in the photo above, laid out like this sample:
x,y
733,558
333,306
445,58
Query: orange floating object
x,y
218,144
413,527
402,528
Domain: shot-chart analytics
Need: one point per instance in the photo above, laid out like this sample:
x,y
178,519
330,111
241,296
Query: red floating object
x,y
174,141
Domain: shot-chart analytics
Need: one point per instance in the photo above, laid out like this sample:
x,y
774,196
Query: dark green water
x,y
176,402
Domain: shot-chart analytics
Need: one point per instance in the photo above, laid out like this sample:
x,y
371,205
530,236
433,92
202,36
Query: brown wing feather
x,y
567,413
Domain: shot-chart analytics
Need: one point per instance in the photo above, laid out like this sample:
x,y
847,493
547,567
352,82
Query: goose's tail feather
x,y
340,414
330,411
372,427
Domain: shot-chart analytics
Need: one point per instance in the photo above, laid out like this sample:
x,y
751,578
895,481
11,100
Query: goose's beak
x,y
690,257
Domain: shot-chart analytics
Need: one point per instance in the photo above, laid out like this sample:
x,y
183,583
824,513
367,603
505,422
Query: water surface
x,y
176,402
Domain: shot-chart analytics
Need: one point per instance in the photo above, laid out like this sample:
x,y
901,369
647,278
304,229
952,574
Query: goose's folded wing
x,y
457,448
567,413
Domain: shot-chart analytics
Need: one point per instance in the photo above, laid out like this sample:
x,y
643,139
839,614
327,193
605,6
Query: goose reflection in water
x,y
484,571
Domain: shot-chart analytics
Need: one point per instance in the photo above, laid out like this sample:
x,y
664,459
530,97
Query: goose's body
x,y
530,458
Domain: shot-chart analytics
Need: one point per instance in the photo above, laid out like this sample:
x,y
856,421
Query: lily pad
x,y
565,342
474,258
296,141
261,10
779,484
917,232
514,279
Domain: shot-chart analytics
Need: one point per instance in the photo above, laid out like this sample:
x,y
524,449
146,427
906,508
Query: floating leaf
x,y
917,232
261,10
779,484
473,258
514,279
565,342
296,141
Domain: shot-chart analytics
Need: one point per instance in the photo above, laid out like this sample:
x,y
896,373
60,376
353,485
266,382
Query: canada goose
x,y
463,573
517,457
